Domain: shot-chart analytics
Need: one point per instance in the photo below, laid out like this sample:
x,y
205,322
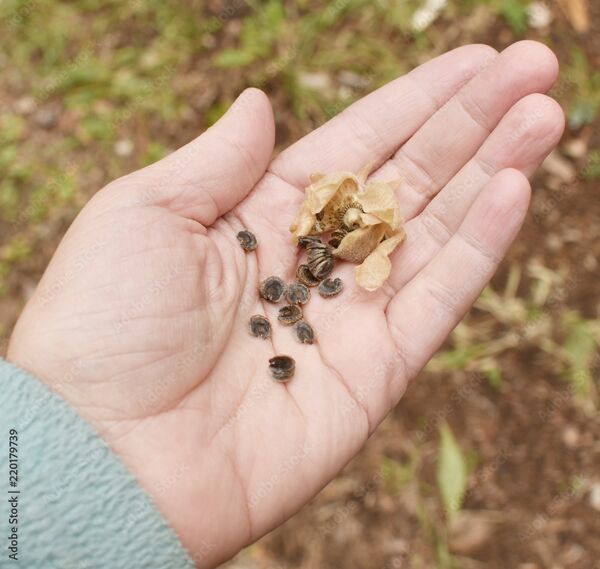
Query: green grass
x,y
583,82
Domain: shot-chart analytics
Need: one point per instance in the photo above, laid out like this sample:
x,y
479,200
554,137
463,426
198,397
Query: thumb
x,y
210,175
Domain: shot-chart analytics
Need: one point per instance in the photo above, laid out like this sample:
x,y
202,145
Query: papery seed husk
x,y
375,269
357,245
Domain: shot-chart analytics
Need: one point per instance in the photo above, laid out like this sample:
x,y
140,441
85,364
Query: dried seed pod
x,y
304,275
289,315
331,287
282,367
260,327
320,260
297,293
305,332
272,289
247,240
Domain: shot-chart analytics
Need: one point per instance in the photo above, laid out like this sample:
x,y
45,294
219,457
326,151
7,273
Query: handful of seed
x,y
313,273
364,225
363,222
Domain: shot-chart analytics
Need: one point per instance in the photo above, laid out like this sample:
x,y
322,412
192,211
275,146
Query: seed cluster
x,y
313,273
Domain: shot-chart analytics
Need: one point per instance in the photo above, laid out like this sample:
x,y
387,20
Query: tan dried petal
x,y
303,223
364,172
367,219
375,269
340,201
317,196
333,212
379,199
358,244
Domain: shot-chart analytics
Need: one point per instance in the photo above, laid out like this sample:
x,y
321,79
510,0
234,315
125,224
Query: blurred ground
x,y
493,457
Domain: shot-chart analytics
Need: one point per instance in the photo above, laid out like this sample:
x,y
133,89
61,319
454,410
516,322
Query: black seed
x,y
297,293
304,332
304,275
260,327
282,367
289,315
247,240
331,287
320,260
272,289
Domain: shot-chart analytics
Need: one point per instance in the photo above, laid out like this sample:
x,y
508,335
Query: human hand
x,y
140,321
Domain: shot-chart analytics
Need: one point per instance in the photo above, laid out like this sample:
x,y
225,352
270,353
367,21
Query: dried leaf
x,y
578,14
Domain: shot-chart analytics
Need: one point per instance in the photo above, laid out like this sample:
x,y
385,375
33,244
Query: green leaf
x,y
582,112
452,472
580,348
234,58
591,170
274,14
515,14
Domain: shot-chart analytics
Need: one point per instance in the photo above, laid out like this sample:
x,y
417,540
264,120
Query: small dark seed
x,y
320,259
289,315
297,293
260,327
304,332
331,287
272,289
307,240
247,240
304,275
321,264
282,367
336,237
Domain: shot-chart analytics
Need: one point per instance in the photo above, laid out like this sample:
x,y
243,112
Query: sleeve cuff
x,y
73,503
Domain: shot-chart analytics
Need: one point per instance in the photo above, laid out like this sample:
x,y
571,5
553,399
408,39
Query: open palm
x,y
140,321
